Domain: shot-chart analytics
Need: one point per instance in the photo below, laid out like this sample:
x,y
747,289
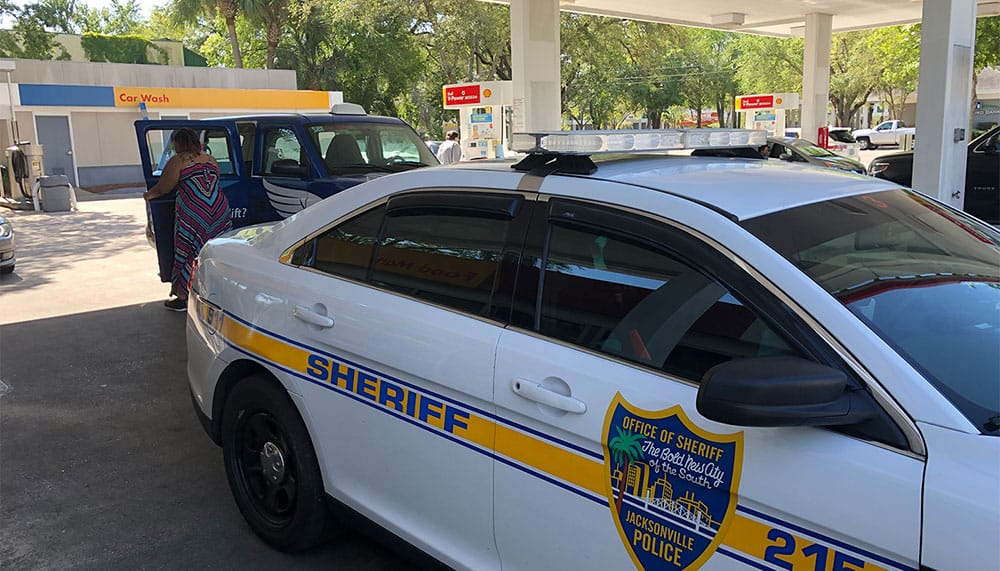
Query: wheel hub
x,y
272,462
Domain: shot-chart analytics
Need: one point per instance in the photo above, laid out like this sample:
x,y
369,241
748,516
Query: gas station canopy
x,y
947,49
782,18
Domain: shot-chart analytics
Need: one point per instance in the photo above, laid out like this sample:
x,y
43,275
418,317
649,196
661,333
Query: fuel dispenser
x,y
484,126
767,111
25,167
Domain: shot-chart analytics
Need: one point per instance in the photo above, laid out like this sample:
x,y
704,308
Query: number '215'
x,y
784,545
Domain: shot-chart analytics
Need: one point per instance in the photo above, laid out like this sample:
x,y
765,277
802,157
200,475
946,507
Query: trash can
x,y
55,193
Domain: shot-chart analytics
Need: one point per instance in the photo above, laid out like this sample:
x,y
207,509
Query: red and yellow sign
x,y
190,98
461,95
767,101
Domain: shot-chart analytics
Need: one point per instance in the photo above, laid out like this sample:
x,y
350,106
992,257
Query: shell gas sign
x,y
767,101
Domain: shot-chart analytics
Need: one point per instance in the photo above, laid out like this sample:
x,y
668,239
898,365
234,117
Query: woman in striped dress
x,y
202,208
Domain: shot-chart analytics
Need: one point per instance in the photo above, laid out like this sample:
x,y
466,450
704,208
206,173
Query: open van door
x,y
221,140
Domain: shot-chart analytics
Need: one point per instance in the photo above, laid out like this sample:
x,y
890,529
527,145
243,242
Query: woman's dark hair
x,y
186,141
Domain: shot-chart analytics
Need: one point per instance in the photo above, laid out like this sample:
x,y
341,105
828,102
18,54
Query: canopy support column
x,y
816,74
535,67
947,44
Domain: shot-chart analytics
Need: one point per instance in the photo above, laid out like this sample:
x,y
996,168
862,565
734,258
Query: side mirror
x,y
781,391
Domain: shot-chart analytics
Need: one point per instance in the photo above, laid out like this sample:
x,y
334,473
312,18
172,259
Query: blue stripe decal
x,y
490,415
67,95
432,430
821,537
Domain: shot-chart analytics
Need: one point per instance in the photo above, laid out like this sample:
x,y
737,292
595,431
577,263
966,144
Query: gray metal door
x,y
53,134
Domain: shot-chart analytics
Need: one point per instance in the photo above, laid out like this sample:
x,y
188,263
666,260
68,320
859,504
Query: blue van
x,y
272,166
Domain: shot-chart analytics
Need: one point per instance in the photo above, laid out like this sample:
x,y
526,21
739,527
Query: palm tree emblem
x,y
625,448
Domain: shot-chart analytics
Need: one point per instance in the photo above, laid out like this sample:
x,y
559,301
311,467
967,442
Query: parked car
x,y
843,143
273,166
885,133
803,151
982,174
7,258
660,362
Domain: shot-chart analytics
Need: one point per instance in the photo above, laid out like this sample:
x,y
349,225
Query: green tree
x,y
656,68
854,74
272,15
120,18
625,449
377,59
32,34
897,49
587,74
197,11
768,65
987,50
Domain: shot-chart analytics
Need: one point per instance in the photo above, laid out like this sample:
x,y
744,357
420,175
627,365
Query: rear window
x,y
842,136
923,277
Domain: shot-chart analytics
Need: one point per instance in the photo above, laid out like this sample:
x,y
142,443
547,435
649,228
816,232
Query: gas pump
x,y
25,166
482,110
766,112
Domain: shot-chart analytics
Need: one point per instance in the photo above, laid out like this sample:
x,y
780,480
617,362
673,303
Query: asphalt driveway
x,y
103,464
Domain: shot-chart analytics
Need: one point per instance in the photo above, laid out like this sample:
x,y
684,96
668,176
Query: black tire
x,y
272,467
866,144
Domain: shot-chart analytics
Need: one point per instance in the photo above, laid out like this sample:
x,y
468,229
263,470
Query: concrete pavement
x,y
103,464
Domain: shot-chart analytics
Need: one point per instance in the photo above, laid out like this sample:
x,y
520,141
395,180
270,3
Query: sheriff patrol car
x,y
590,362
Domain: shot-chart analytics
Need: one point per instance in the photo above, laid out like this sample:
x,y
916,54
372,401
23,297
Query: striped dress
x,y
202,214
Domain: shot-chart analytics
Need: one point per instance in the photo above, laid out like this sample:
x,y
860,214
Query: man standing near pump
x,y
450,151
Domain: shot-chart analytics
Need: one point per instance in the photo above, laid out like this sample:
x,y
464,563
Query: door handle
x,y
533,391
311,317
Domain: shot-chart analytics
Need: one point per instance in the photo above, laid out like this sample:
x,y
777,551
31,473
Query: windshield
x,y
808,148
366,146
924,278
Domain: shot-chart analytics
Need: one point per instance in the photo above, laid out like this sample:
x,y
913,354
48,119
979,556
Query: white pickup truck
x,y
885,133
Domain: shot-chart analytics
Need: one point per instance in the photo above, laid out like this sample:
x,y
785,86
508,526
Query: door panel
x,y
627,327
54,135
405,364
222,142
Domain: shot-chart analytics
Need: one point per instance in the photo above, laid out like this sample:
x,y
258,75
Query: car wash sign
x,y
767,101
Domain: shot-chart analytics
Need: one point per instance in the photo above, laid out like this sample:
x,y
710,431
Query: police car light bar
x,y
633,141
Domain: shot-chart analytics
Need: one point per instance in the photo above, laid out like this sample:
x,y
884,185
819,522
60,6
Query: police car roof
x,y
742,188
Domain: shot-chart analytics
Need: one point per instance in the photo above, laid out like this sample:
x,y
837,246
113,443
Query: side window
x,y
345,250
217,144
283,154
447,257
633,301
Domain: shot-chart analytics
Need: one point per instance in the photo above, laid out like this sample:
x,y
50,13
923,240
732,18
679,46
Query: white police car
x,y
652,361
